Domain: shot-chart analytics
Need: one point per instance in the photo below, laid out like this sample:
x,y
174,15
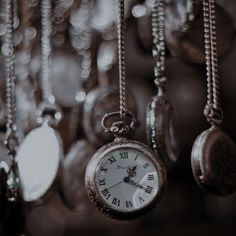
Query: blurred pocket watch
x,y
185,12
184,31
74,165
40,154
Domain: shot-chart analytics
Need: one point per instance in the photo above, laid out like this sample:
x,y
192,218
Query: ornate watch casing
x,y
92,169
161,129
213,162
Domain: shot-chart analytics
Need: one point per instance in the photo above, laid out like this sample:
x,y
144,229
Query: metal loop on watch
x,y
213,115
49,112
121,126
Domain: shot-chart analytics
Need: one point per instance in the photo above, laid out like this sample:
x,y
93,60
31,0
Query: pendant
x,y
39,158
95,106
161,129
74,166
214,162
124,179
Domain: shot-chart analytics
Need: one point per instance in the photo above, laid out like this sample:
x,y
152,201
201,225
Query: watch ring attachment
x,y
121,125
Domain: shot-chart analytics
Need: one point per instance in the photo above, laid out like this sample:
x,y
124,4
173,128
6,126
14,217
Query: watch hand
x,y
129,181
115,185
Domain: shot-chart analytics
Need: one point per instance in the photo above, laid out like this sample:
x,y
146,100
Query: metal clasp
x,y
121,126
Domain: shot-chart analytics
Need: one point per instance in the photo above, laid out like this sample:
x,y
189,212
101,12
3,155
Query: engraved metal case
x,y
161,130
94,165
213,162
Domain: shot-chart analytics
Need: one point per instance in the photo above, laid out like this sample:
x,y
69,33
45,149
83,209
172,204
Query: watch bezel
x,y
93,192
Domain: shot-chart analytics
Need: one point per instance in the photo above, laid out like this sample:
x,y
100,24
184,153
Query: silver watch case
x,y
161,130
93,192
213,162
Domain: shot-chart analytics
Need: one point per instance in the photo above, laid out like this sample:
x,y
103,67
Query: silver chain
x,y
8,45
158,32
46,24
121,56
213,111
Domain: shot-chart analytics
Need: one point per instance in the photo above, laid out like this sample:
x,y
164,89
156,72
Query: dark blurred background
x,y
184,209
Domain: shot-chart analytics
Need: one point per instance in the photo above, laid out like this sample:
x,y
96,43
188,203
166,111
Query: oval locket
x,y
39,158
161,129
214,162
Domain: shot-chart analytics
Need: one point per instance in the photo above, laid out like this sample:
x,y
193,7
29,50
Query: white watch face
x,y
127,179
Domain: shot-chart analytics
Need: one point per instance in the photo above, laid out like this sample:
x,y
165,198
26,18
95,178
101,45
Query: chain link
x,y
213,111
11,140
121,56
46,24
158,32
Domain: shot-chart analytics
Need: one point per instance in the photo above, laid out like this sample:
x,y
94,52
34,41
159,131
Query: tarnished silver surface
x,y
74,166
124,208
214,162
39,158
161,129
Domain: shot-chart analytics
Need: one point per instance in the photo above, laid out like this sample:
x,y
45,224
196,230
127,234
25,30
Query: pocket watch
x,y
214,153
161,127
214,162
40,162
124,179
74,166
40,154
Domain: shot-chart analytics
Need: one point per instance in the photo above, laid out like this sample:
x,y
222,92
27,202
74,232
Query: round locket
x,y
214,162
161,129
39,158
125,179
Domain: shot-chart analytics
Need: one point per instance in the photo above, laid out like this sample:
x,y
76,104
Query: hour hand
x,y
129,181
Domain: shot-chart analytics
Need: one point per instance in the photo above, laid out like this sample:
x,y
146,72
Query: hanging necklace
x,y
13,213
160,115
40,154
214,153
124,179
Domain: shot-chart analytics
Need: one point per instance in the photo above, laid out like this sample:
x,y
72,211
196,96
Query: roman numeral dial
x,y
126,180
